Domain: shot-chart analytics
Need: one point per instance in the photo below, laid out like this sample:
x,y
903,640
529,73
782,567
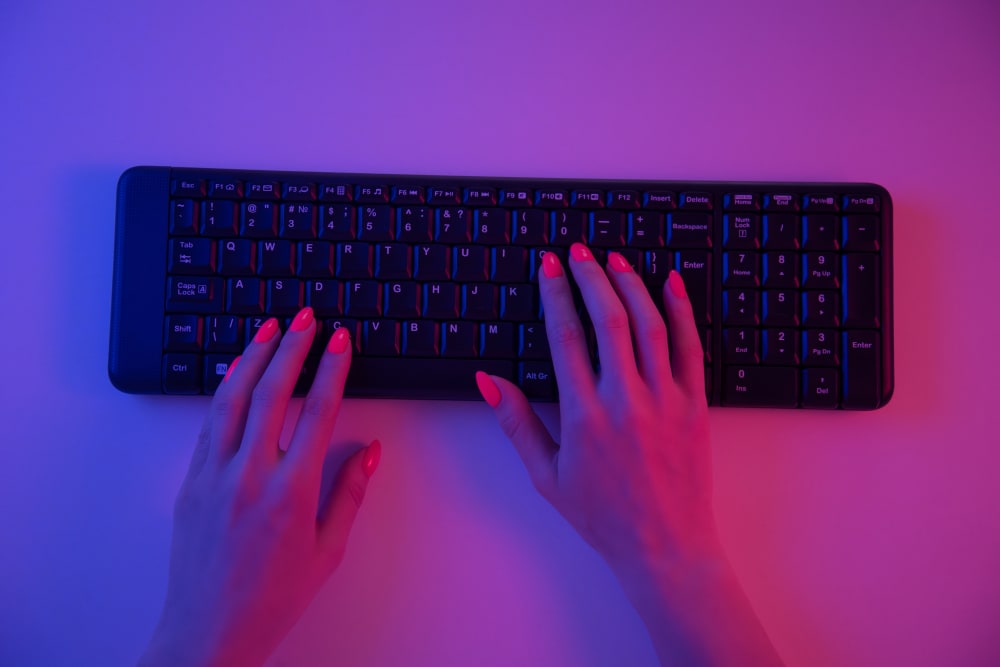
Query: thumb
x,y
345,500
533,442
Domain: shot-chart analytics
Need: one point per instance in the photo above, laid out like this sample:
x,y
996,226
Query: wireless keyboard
x,y
436,277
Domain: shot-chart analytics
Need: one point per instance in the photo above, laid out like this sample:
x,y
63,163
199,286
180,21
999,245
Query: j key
x,y
183,217
781,347
325,297
820,232
607,229
781,231
820,270
336,223
695,268
820,309
741,269
517,303
182,373
480,302
861,233
781,269
316,259
354,260
741,346
536,379
284,297
696,201
421,338
191,257
862,372
531,227
741,231
492,226
414,224
861,290
645,229
820,347
496,340
393,261
298,221
244,296
223,333
432,262
259,220
569,227
218,218
781,308
820,388
509,265
458,339
381,338
761,386
274,258
237,258
375,223
532,341
689,230
194,295
660,200
183,333
216,366
741,307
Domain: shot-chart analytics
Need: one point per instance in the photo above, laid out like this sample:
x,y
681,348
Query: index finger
x,y
567,340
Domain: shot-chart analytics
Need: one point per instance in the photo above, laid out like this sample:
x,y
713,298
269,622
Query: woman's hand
x,y
631,470
253,538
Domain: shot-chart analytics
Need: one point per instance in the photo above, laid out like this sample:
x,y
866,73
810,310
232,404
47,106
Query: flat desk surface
x,y
862,538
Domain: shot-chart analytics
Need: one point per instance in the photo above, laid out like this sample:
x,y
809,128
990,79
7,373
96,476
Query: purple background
x,y
862,538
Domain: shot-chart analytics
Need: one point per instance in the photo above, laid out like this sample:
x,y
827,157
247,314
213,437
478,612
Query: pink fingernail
x,y
551,266
619,263
372,456
580,252
302,320
488,388
266,331
232,367
339,341
677,285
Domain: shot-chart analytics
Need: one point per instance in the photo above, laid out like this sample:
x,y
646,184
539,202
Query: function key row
x,y
554,198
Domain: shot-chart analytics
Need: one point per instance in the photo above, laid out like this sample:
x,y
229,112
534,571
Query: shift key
x,y
861,370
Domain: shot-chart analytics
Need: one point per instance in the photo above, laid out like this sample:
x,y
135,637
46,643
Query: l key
x,y
860,291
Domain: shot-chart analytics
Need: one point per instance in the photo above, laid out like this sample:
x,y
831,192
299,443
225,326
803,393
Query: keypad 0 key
x,y
761,386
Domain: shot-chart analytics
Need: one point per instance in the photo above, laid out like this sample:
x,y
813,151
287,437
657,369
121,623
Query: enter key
x,y
862,370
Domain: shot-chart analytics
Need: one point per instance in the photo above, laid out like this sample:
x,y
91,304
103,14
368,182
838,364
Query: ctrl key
x,y
761,386
181,374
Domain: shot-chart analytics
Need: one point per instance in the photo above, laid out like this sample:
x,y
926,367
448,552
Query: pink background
x,y
862,538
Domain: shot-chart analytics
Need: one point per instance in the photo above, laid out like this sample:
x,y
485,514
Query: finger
x,y
319,411
567,341
533,442
228,415
650,332
687,358
614,340
346,496
270,397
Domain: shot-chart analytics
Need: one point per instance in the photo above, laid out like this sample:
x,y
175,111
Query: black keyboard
x,y
436,277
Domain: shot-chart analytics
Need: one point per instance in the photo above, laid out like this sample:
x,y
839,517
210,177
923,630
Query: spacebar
x,y
401,377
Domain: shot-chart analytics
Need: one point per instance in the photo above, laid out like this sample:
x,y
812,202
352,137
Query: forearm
x,y
697,614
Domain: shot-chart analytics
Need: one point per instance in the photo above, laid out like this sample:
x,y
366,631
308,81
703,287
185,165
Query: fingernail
x,y
551,266
232,367
488,388
372,455
580,252
266,331
302,320
339,341
619,263
676,285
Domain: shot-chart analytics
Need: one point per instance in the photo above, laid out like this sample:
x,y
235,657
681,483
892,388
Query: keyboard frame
x,y
142,234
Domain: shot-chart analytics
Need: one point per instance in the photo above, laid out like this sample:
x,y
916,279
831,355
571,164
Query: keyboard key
x,y
820,203
645,229
381,338
860,293
298,221
480,301
820,270
183,333
182,373
316,259
402,300
781,269
393,261
861,233
549,198
536,379
781,347
454,226
414,225
493,226
299,191
481,196
569,227
244,296
820,347
531,227
862,372
532,341
820,308
862,203
741,231
262,190
191,257
274,258
183,217
191,294
458,339
354,260
362,299
607,229
781,308
741,346
696,270
761,386
420,338
325,297
820,388
431,262
696,201
218,218
781,203
496,340
408,195
781,232
624,199
520,197
660,200
689,230
587,199
225,188
444,196
375,223
440,301
259,220
223,333
741,307
336,223
336,192
371,194
741,269
237,257
820,232
741,201
517,303
216,367
188,187
284,296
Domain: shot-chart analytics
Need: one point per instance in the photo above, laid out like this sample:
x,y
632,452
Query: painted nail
x,y
619,263
266,331
373,454
676,285
488,388
302,320
580,252
232,367
339,341
551,266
